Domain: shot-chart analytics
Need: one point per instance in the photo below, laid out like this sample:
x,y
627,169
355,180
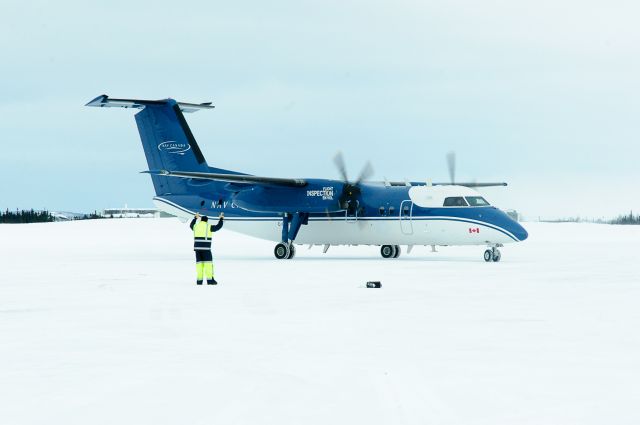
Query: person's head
x,y
205,218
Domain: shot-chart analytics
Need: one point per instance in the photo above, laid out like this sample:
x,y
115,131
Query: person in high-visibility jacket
x,y
202,232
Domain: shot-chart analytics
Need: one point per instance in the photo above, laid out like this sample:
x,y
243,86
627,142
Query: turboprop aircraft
x,y
311,211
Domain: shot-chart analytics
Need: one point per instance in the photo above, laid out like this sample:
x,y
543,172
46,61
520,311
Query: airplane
x,y
311,211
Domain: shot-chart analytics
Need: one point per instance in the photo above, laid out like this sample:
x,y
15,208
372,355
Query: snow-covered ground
x,y
101,323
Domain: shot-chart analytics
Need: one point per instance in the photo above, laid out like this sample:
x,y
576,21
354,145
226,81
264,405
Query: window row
x,y
459,201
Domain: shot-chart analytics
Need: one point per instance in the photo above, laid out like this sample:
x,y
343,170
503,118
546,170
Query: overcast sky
x,y
544,95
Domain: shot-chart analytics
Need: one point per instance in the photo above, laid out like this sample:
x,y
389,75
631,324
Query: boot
x,y
198,282
212,282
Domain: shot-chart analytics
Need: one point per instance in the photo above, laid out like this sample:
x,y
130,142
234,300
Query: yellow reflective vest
x,y
202,236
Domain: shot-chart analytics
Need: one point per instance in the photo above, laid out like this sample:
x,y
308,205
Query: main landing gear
x,y
390,251
492,254
284,251
291,224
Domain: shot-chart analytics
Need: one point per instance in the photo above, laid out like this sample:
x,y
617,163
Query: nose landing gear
x,y
390,251
492,254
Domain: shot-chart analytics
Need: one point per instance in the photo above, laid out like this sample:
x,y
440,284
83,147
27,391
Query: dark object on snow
x,y
374,284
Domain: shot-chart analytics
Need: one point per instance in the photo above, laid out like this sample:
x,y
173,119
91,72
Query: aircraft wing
x,y
278,181
231,178
471,184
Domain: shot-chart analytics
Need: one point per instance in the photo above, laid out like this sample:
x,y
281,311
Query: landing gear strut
x,y
390,251
492,254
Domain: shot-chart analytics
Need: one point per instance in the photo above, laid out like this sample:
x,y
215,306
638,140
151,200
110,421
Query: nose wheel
x,y
492,254
390,251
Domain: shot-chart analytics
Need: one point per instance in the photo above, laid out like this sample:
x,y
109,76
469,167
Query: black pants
x,y
203,255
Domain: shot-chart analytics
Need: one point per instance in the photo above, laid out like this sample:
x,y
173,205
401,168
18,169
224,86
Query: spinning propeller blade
x,y
338,159
365,174
451,165
351,192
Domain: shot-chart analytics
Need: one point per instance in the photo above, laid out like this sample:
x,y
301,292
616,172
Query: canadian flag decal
x,y
474,230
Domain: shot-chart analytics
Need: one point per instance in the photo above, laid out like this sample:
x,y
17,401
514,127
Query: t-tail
x,y
167,141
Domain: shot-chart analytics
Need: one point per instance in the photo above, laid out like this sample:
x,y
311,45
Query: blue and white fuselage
x,y
308,211
392,215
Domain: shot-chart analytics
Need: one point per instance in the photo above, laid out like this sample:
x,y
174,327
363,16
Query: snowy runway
x,y
101,322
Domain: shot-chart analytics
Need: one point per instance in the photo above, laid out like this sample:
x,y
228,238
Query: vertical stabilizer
x,y
167,140
168,145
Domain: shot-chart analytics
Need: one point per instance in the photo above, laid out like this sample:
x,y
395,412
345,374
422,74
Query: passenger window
x,y
454,201
477,201
382,211
391,210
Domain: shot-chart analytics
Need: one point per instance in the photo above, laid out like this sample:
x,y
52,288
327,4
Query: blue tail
x,y
169,145
167,142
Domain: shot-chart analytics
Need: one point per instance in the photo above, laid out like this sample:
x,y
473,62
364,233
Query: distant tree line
x,y
33,216
621,219
25,216
626,219
91,216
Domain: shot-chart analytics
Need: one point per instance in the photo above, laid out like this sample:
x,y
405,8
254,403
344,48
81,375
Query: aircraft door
x,y
351,214
406,212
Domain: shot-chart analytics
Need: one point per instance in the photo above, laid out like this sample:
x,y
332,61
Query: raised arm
x,y
193,222
219,225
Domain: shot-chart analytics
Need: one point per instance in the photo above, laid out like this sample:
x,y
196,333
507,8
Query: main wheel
x,y
281,251
292,252
496,256
488,255
397,252
387,251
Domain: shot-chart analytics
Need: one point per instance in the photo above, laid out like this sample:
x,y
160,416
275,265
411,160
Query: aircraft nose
x,y
519,231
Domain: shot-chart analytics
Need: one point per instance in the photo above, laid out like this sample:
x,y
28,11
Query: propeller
x,y
342,168
351,190
451,165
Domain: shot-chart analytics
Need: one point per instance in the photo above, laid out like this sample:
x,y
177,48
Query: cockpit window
x,y
454,201
477,201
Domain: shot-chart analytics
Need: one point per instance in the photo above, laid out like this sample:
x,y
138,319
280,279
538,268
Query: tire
x,y
281,251
496,256
488,255
387,251
397,252
292,252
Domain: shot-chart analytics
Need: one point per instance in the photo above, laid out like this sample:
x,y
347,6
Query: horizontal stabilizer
x,y
104,101
231,178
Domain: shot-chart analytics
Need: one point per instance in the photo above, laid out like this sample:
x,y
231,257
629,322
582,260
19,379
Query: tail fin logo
x,y
171,146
